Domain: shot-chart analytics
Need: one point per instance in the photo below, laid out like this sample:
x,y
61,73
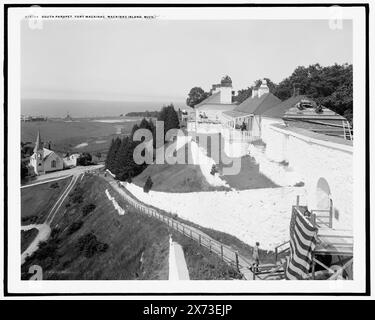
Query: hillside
x,y
175,178
90,240
37,201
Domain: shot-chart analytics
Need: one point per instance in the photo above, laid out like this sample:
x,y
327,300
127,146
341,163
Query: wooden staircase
x,y
347,130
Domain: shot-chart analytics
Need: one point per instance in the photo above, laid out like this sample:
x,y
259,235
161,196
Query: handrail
x,y
277,252
226,253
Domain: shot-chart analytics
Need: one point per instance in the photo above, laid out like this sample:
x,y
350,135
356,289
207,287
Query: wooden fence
x,y
226,253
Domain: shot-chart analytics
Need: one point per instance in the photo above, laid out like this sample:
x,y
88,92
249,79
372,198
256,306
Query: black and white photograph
x,y
198,150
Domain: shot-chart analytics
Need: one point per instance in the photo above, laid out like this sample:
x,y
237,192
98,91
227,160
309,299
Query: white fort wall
x,y
324,164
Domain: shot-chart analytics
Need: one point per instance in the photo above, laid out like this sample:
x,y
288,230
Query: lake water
x,y
88,108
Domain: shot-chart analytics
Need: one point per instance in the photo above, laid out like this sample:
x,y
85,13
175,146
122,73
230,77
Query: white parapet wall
x,y
324,164
199,157
280,173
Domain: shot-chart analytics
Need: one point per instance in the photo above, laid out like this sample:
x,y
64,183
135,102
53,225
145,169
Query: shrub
x,y
29,219
75,226
89,245
88,208
84,159
77,196
148,185
213,170
54,185
299,184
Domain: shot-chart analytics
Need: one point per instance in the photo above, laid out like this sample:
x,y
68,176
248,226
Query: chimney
x,y
263,89
254,92
296,91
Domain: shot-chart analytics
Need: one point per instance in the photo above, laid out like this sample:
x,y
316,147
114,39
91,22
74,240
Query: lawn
x,y
100,244
27,237
174,178
37,201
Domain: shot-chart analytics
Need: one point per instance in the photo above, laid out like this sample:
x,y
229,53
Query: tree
x,y
243,94
148,185
24,170
195,96
84,159
111,155
330,86
170,118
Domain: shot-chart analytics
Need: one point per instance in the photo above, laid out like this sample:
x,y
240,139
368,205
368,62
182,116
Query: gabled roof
x,y
288,108
214,98
279,110
217,106
235,114
46,153
255,105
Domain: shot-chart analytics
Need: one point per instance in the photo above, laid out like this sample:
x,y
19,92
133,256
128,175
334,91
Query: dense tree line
x,y
120,154
331,86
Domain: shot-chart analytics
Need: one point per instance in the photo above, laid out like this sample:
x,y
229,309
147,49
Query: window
x,y
53,164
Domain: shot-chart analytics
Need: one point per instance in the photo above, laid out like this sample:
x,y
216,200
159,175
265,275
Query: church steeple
x,y
38,156
38,143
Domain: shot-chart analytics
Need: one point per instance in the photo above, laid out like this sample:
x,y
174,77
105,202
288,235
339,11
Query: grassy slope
x,y
175,178
130,238
37,201
27,237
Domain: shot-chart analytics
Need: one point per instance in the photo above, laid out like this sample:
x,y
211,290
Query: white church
x,y
44,160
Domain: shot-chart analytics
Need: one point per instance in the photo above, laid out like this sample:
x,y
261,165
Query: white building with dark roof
x,y
212,108
44,160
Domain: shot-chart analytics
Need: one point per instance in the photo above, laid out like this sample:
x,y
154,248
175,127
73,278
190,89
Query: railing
x,y
238,135
321,218
281,249
226,253
269,271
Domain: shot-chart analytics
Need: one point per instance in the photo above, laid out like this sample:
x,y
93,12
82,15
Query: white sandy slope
x,y
261,215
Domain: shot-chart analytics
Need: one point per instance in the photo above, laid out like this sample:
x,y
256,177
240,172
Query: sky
x,y
162,60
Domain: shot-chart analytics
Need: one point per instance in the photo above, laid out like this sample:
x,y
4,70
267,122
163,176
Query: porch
x,y
333,253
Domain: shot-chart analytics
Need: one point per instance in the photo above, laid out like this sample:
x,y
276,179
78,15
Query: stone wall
x,y
317,160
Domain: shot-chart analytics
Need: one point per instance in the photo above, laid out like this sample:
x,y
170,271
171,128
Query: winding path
x,y
44,229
